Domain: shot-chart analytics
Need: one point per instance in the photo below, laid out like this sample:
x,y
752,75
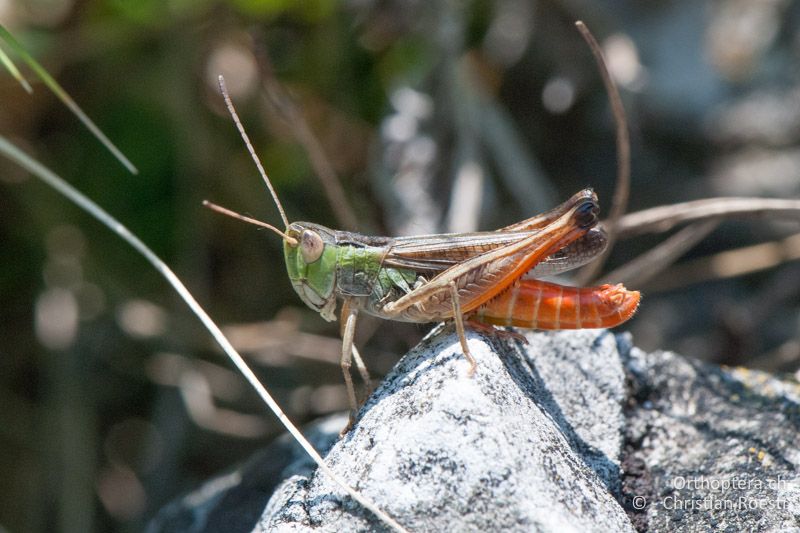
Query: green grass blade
x,y
62,95
12,69
82,201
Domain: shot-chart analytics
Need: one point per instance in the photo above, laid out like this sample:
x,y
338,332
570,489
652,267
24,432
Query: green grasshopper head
x,y
311,263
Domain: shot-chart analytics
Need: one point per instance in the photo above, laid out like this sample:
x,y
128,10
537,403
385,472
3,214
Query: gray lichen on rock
x,y
711,449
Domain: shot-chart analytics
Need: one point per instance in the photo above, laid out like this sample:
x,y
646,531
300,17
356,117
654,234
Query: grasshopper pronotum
x,y
482,278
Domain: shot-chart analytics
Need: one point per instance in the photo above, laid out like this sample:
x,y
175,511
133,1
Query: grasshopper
x,y
483,279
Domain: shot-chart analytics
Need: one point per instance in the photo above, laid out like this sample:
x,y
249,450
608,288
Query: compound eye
x,y
311,246
586,214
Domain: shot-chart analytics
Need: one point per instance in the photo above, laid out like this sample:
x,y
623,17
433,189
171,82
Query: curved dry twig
x,y
623,184
731,263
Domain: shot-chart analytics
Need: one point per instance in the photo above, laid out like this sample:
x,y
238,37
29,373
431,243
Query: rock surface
x,y
575,431
710,449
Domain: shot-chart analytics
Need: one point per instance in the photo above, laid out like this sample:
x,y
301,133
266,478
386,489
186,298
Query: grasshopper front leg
x,y
349,351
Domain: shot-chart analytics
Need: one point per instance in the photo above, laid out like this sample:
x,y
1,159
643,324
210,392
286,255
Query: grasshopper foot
x,y
368,390
349,426
472,366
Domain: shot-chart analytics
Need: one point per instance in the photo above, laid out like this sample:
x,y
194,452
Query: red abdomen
x,y
538,304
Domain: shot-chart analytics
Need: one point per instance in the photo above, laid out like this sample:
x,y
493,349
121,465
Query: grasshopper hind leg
x,y
349,353
459,320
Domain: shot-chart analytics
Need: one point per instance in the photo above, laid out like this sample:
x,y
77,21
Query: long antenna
x,y
233,214
250,148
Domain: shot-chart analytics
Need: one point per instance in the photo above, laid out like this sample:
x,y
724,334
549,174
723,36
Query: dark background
x,y
436,116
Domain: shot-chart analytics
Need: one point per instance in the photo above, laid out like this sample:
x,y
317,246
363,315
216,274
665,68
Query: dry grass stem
x,y
656,260
623,184
731,263
664,218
